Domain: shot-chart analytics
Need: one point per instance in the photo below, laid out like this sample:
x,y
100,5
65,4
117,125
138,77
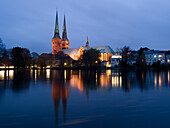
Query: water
x,y
81,99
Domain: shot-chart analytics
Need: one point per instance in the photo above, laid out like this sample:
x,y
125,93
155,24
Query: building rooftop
x,y
104,49
71,51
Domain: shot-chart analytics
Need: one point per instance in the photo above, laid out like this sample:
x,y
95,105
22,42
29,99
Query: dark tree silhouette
x,y
91,57
21,57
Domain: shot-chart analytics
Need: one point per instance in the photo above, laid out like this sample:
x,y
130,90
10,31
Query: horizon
x,y
114,23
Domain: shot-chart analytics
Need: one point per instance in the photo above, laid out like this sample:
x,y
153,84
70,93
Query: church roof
x,y
71,51
104,49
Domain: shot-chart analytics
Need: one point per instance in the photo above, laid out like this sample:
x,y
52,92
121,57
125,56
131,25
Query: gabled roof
x,y
71,51
104,49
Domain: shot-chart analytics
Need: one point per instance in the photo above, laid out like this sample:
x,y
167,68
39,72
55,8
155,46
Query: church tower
x,y
87,43
56,40
65,41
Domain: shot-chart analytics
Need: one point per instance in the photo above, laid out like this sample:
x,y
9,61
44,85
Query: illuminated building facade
x,y
62,45
57,43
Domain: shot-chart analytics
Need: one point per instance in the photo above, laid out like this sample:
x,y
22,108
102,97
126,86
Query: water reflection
x,y
60,92
6,74
83,81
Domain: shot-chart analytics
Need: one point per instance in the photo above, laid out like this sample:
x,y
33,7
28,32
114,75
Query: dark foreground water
x,y
84,99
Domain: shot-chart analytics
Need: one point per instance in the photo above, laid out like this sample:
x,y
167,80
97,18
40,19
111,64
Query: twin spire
x,y
56,33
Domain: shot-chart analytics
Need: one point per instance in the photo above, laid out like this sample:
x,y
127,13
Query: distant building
x,y
154,56
57,43
159,56
167,56
115,60
62,45
132,57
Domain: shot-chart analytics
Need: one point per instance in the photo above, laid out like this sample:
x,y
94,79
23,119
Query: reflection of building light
x,y
160,80
47,73
116,81
79,74
65,74
108,72
35,75
2,75
75,82
120,81
96,77
168,77
11,74
155,80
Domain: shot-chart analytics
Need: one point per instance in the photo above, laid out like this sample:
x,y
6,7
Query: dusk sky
x,y
136,23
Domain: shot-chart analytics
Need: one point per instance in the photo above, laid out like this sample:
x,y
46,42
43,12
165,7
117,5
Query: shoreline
x,y
90,68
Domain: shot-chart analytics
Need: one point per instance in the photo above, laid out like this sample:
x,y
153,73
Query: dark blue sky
x,y
30,23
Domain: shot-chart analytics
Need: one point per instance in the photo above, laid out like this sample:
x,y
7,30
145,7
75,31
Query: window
x,y
154,56
160,56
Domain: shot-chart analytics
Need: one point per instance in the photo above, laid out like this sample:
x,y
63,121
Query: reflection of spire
x,y
59,92
87,93
64,108
56,103
56,33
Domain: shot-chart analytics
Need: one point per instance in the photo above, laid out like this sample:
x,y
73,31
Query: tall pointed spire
x,y
87,43
56,33
64,35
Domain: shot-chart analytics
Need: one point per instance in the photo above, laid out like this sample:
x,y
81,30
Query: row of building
x,y
108,57
150,56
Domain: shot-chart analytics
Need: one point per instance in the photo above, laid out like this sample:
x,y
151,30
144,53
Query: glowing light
x,y
47,73
35,75
48,66
155,80
108,72
116,56
11,74
116,81
168,77
2,75
65,64
160,80
65,74
6,67
154,56
160,55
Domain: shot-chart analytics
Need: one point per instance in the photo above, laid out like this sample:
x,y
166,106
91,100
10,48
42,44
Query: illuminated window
x,y
160,56
168,60
154,56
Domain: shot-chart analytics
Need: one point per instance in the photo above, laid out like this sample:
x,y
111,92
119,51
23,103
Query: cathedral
x,y
62,45
59,43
